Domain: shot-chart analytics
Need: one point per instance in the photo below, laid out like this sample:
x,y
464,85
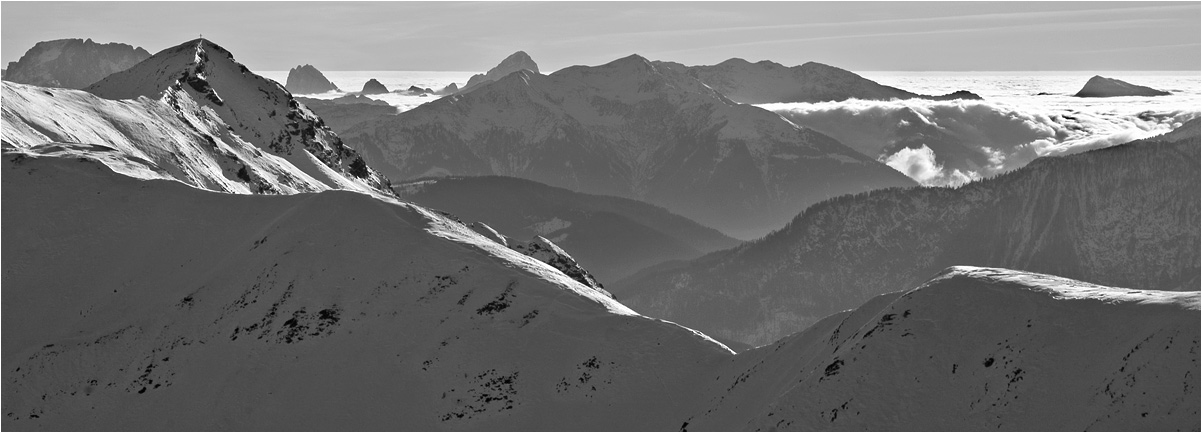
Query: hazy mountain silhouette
x,y
307,80
631,129
72,63
1102,87
1125,216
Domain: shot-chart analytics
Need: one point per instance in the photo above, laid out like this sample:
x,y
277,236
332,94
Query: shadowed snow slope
x,y
611,236
72,63
1124,216
766,82
631,129
976,349
150,305
200,79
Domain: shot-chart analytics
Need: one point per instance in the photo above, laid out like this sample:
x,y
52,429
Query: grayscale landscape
x,y
601,216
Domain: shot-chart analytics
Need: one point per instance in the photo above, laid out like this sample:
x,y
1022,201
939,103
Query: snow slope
x,y
178,137
610,236
255,109
976,349
767,82
1123,216
632,129
72,63
150,305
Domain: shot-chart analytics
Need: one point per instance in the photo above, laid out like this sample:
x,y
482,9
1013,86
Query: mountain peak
x,y
515,62
1102,87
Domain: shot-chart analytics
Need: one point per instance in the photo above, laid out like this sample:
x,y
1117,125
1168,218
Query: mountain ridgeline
x,y
610,236
1124,216
767,82
337,310
631,129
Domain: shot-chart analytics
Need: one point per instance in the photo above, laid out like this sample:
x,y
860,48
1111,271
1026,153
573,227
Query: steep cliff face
x,y
72,63
768,82
1124,216
631,129
307,79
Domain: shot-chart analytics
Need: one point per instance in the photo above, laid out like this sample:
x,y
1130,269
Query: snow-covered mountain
x,y
72,63
307,79
611,236
1123,216
632,129
767,82
1102,87
201,118
518,61
975,349
149,305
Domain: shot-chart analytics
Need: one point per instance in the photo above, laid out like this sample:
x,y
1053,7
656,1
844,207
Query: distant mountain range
x,y
72,63
610,236
632,129
1125,216
766,82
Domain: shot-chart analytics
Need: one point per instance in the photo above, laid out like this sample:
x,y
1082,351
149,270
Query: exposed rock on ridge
x,y
308,80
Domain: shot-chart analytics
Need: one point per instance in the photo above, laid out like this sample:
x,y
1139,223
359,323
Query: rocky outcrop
x,y
1102,87
1122,216
515,62
610,236
308,80
72,63
373,87
449,89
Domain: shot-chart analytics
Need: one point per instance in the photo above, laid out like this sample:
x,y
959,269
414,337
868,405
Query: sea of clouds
x,y
952,142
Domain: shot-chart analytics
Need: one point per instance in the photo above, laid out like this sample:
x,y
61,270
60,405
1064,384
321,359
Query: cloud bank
x,y
952,142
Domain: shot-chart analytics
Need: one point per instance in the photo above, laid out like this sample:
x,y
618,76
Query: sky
x,y
474,36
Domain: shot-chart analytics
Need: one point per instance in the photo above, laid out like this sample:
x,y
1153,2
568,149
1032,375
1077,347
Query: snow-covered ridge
x,y
304,311
976,349
124,309
259,111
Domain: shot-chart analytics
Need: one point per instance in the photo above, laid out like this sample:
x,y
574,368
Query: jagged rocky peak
x,y
449,89
515,62
373,87
307,79
72,63
1102,87
256,109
